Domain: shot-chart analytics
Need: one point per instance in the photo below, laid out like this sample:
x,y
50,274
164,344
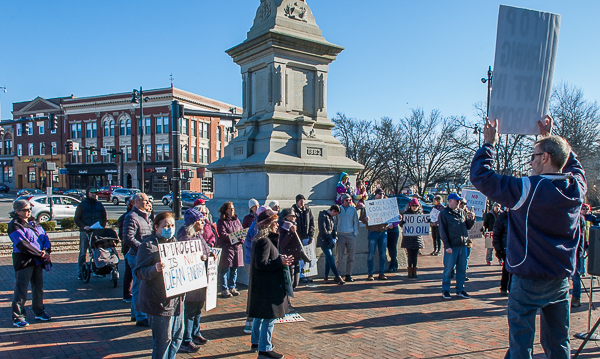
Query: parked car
x,y
105,192
403,200
62,206
122,195
188,199
4,188
75,193
28,191
58,190
167,198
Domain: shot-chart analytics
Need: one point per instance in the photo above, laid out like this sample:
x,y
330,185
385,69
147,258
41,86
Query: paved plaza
x,y
398,318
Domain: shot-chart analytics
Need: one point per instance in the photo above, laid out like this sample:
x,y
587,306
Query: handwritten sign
x,y
238,236
415,225
489,237
475,199
382,211
309,269
183,270
433,215
213,275
526,45
475,231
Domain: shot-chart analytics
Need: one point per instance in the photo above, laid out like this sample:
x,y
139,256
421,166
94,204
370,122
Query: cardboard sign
x,y
415,225
309,269
526,45
382,211
184,270
433,215
213,278
475,199
489,237
475,231
238,236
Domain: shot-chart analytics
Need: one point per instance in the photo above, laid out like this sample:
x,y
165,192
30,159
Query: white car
x,y
122,195
62,206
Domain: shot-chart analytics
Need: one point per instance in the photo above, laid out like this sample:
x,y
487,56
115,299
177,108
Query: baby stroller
x,y
103,255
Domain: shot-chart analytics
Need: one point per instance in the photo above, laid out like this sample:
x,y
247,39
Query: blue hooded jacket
x,y
543,221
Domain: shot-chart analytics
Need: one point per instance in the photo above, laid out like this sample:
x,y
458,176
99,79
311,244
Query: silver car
x,y
62,207
122,195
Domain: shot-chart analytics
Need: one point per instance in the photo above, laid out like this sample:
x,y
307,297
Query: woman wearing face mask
x,y
165,316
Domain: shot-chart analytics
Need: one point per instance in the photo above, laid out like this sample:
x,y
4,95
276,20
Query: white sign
x,y
415,225
238,236
213,278
103,152
489,239
433,215
184,270
475,199
382,211
526,45
309,269
475,231
75,146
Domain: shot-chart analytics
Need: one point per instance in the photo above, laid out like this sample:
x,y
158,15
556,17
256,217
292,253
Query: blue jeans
x,y
468,256
191,321
576,278
329,262
135,289
379,240
228,278
167,333
457,258
262,332
526,297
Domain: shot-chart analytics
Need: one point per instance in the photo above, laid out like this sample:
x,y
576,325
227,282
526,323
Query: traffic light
x,y
113,153
27,127
93,150
69,145
2,131
53,121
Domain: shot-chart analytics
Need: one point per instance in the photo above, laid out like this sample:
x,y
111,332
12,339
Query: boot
x,y
415,272
339,280
409,272
325,280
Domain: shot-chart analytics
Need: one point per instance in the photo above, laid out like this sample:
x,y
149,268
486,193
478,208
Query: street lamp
x,y
3,89
490,75
137,97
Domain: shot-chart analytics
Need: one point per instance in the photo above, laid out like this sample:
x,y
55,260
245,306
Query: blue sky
x,y
399,54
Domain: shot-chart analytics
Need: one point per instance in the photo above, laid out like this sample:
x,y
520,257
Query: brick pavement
x,y
399,318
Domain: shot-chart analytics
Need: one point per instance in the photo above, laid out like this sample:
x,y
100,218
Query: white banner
x,y
382,211
183,270
433,215
309,269
213,278
526,45
475,199
415,225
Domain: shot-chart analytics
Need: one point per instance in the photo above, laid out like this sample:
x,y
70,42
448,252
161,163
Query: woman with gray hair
x,y
31,255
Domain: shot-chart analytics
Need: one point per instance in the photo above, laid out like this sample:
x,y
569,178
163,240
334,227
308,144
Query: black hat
x,y
287,212
91,189
299,197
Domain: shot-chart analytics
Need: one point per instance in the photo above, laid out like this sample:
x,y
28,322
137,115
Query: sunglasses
x,y
535,154
25,210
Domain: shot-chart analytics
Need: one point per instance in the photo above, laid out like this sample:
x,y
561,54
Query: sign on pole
x,y
213,278
475,199
526,44
184,270
382,211
103,152
415,225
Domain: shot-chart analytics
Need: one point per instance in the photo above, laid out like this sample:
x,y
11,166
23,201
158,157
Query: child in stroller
x,y
103,255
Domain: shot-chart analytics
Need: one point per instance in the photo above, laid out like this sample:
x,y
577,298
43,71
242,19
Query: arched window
x,y
112,127
106,129
128,127
122,128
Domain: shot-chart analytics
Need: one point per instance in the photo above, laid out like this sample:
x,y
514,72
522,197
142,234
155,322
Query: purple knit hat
x,y
191,216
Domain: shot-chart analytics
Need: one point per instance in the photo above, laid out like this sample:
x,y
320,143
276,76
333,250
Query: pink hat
x,y
414,202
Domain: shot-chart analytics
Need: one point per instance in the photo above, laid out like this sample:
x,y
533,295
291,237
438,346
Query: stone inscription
x,y
239,150
314,151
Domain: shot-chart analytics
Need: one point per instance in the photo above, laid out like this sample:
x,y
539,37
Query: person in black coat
x,y
499,243
267,296
412,244
88,212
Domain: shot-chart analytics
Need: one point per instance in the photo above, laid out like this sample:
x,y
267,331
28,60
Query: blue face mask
x,y
167,233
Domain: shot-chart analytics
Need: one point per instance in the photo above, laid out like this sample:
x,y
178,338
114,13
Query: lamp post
x,y
138,97
2,89
488,80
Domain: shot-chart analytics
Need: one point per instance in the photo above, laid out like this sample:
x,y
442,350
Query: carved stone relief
x,y
264,11
295,11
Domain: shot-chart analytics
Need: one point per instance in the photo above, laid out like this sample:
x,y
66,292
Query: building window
x,y
31,176
42,149
75,130
205,155
8,147
184,126
193,128
148,125
159,152
219,135
128,127
30,128
184,153
19,129
106,129
19,150
122,128
159,125
194,159
91,158
148,154
129,153
107,158
206,130
90,130
165,124
41,127
54,148
30,149
76,157
166,151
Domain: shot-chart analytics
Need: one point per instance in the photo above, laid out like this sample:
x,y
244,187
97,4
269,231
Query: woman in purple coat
x,y
233,253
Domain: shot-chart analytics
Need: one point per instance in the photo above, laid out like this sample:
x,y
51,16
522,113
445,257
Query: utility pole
x,y
177,114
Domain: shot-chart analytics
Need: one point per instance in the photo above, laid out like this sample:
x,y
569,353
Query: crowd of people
x,y
538,256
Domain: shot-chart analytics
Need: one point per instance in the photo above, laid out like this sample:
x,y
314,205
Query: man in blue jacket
x,y
543,235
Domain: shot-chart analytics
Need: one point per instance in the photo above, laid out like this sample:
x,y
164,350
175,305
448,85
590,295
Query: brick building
x,y
113,122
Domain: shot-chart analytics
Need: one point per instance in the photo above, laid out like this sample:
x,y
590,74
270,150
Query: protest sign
x,y
238,236
309,269
415,225
382,211
489,237
526,44
213,275
433,215
475,231
475,199
183,270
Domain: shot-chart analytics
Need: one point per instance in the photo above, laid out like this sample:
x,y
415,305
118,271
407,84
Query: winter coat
x,y
543,221
29,241
120,222
305,221
454,227
252,230
267,297
209,234
347,220
153,296
290,244
198,295
411,242
489,219
136,226
342,189
247,221
327,232
233,254
88,212
500,235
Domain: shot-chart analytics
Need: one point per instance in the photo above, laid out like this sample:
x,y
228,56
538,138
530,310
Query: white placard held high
x,y
382,211
184,270
526,45
475,199
415,225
